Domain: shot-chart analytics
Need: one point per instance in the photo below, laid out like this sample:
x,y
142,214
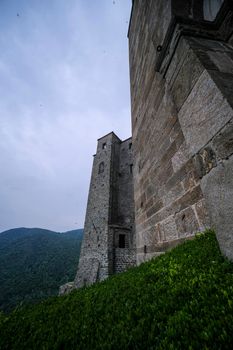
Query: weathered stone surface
x,y
222,60
125,258
204,161
180,157
109,223
199,116
201,214
223,142
177,117
186,222
66,288
187,76
169,229
89,270
217,187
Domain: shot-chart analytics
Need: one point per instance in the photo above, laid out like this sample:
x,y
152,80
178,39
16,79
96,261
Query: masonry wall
x,y
182,130
125,257
125,185
110,213
94,262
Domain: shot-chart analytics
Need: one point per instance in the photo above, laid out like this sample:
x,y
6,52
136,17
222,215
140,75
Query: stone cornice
x,y
220,29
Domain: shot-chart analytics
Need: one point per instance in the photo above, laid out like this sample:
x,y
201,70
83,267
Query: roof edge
x,y
130,20
129,138
112,132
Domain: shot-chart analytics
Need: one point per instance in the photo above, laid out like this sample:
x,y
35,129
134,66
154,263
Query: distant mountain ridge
x,y
16,232
34,262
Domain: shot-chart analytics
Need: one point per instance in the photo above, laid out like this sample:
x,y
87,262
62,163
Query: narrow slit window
x,y
131,168
121,241
130,145
101,167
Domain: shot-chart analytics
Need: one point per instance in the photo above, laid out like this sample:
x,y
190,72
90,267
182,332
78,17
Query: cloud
x,y
64,83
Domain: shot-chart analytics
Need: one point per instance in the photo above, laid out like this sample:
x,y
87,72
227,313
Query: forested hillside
x,y
34,263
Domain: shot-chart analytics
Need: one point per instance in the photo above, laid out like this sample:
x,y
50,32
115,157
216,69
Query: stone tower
x,y
181,72
108,245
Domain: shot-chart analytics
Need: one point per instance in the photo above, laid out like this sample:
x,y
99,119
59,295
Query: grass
x,y
181,300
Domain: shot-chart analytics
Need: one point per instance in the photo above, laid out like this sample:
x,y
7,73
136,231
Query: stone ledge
x,y
163,246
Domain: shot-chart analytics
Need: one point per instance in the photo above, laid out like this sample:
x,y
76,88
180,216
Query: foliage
x,y
181,300
34,263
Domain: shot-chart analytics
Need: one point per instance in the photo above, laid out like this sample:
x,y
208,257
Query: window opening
x,y
121,241
104,145
101,167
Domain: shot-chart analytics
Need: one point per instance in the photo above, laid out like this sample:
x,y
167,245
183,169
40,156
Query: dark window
x,y
131,168
101,167
145,249
130,145
121,241
104,145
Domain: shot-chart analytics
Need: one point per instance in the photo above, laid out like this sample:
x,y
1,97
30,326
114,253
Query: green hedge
x,y
181,300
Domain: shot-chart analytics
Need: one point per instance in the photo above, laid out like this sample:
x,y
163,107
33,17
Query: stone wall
x,y
110,210
177,178
124,259
94,251
181,96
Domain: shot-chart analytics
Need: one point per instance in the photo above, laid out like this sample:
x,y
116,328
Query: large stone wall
x,y
177,179
181,95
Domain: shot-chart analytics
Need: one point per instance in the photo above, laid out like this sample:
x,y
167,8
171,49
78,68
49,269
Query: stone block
x,y
202,214
217,187
224,82
222,61
169,228
187,77
204,161
186,222
200,115
66,288
180,157
223,142
188,199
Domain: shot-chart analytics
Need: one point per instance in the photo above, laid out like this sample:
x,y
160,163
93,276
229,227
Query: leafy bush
x,y
181,300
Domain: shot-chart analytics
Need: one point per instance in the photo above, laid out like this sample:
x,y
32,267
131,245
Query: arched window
x,y
211,9
101,167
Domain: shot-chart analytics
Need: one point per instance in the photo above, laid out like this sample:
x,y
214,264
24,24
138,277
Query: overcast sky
x,y
64,83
